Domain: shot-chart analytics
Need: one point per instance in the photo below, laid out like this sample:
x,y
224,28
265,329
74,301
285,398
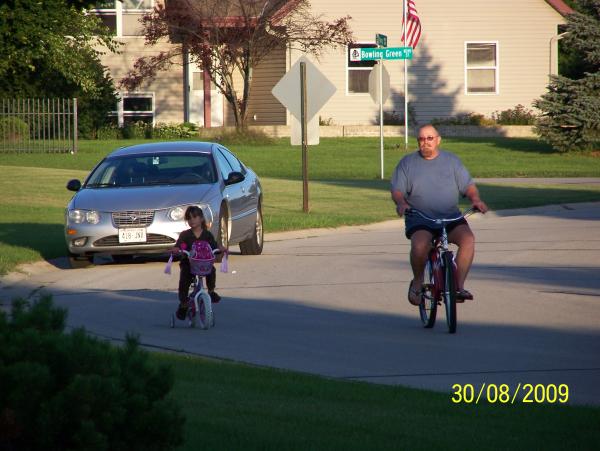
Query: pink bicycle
x,y
200,304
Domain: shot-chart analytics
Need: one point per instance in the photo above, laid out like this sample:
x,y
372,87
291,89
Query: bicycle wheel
x,y
449,292
205,312
428,305
192,312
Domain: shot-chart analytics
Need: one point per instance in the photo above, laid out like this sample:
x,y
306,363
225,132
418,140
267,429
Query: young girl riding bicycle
x,y
198,231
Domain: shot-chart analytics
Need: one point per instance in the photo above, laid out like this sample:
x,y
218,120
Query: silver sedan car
x,y
134,201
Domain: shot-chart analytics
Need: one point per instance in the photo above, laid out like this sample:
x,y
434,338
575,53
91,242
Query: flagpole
x,y
405,78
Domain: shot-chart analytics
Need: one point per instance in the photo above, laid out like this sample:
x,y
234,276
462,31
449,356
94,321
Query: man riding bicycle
x,y
431,180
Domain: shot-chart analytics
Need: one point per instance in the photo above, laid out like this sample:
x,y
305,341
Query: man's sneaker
x,y
462,295
214,297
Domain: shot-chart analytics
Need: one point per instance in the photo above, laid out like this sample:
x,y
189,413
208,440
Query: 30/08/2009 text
x,y
504,394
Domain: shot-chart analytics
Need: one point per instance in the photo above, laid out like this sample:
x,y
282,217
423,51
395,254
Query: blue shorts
x,y
431,227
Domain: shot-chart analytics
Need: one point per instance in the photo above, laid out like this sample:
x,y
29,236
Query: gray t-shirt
x,y
432,186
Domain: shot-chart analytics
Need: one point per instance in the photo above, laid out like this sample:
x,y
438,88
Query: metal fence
x,y
38,125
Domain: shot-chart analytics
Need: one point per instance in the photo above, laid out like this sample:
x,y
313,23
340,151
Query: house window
x,y
107,12
481,68
358,71
123,17
133,10
135,107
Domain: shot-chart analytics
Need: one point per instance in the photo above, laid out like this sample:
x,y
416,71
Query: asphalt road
x,y
333,302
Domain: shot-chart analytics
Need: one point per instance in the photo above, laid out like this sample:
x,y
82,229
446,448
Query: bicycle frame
x,y
200,302
443,275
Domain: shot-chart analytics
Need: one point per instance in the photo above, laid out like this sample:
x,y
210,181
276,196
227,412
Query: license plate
x,y
137,235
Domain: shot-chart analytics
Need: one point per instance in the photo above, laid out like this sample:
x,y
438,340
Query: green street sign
x,y
390,53
381,40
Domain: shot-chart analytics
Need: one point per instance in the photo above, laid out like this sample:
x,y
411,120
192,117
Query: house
x,y
473,56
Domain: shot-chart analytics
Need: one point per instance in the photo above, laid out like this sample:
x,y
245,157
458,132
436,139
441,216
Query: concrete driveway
x,y
333,302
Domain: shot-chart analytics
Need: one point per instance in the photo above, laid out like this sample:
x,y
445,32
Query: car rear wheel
x,y
80,261
254,244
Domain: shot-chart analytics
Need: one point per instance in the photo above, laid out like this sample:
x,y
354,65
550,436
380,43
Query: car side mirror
x,y
74,185
234,177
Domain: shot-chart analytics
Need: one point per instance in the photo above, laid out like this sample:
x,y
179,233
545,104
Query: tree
x,y
54,34
570,119
229,37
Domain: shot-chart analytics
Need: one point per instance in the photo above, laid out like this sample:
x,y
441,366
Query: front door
x,y
196,113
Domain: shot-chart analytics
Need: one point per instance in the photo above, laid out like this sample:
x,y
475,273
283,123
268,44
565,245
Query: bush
x,y
172,131
109,132
327,122
465,119
13,129
397,117
137,130
236,136
72,391
516,116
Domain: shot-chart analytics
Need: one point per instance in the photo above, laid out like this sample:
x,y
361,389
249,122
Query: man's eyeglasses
x,y
422,139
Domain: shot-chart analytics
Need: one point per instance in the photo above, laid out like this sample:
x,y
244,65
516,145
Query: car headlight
x,y
93,217
176,214
81,216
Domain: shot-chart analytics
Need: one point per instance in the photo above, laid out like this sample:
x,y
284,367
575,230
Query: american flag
x,y
413,30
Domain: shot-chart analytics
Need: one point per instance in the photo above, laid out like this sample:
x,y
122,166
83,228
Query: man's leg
x,y
420,245
463,237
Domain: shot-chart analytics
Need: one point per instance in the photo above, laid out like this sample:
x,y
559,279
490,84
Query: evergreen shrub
x,y
71,391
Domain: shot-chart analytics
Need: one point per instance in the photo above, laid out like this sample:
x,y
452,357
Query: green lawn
x,y
233,406
344,187
358,158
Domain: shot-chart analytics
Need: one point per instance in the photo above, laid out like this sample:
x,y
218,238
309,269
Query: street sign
x,y
319,89
381,40
374,85
389,53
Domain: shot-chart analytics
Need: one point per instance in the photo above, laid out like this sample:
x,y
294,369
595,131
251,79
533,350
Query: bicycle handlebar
x,y
214,251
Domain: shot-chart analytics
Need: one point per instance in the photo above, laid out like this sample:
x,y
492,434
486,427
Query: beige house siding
x,y
167,87
522,29
263,108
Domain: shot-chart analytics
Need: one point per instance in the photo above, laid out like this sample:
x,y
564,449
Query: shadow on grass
x,y
341,343
527,145
46,239
500,197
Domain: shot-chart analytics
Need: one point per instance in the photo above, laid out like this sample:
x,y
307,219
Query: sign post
x,y
382,85
303,122
304,104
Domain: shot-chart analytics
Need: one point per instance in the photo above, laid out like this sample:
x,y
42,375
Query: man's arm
x,y
400,201
472,193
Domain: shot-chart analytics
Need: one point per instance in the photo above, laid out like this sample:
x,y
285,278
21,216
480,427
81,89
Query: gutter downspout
x,y
553,68
186,84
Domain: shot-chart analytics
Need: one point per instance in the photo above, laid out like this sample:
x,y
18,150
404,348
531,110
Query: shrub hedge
x,y
71,391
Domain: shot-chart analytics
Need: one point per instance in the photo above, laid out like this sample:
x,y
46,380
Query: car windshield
x,y
147,170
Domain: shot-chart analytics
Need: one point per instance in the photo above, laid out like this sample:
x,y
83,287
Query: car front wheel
x,y
80,261
223,232
254,244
